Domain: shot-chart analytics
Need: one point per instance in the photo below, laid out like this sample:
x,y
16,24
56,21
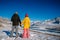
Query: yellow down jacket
x,y
26,23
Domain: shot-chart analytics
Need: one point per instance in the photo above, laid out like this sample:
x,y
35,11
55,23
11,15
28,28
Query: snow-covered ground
x,y
43,28
33,35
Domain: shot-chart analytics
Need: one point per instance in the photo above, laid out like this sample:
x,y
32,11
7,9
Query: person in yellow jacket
x,y
26,23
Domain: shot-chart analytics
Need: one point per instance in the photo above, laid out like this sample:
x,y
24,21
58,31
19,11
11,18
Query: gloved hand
x,y
20,24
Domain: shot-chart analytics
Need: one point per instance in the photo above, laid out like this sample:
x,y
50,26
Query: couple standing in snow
x,y
16,21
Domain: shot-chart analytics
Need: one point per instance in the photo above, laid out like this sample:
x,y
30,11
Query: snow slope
x,y
36,25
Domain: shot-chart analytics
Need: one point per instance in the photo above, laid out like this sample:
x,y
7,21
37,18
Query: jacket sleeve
x,y
22,22
29,23
12,18
19,20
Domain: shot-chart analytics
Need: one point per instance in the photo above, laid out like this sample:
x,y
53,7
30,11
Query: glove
x,y
20,24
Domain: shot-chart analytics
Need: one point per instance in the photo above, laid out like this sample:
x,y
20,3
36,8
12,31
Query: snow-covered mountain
x,y
47,24
53,21
5,25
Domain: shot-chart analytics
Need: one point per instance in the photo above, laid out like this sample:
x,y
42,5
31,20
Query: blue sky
x,y
36,9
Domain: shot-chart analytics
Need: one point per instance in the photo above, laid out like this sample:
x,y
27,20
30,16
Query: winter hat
x,y
26,15
16,12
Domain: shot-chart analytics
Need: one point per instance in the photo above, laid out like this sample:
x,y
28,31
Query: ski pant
x,y
16,29
25,33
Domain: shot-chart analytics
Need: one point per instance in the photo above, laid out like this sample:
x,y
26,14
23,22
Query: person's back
x,y
15,20
26,22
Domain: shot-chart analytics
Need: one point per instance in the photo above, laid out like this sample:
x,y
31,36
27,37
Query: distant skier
x,y
26,23
15,22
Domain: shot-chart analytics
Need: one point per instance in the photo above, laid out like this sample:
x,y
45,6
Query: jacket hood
x,y
26,15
